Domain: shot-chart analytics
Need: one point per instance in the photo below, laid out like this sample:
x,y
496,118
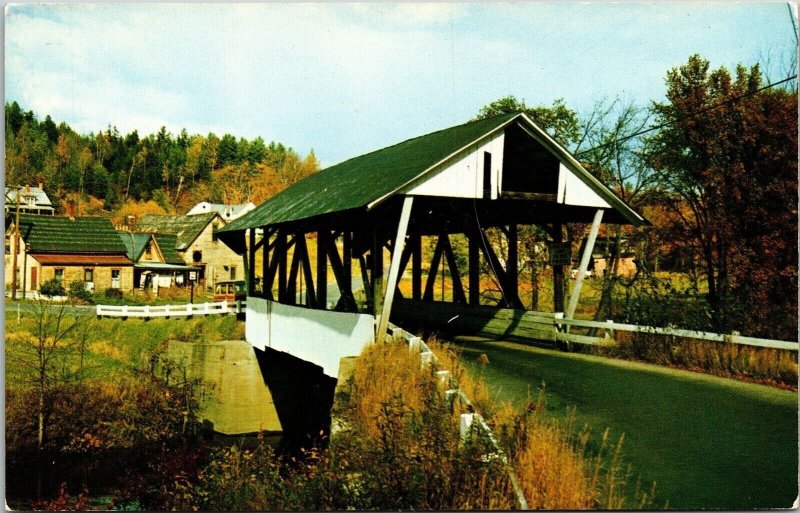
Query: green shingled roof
x,y
135,243
185,228
361,180
167,245
55,234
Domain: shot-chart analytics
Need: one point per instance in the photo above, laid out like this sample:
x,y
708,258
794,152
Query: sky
x,y
345,79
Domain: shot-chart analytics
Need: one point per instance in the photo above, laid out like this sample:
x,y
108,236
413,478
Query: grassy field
x,y
707,442
114,345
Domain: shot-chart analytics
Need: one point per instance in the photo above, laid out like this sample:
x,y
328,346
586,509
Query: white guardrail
x,y
609,327
469,422
184,310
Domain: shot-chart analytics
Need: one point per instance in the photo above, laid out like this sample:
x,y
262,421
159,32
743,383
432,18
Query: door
x,y
34,278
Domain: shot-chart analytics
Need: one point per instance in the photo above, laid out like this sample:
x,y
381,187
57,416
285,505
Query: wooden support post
x,y
346,284
250,268
322,268
365,279
455,276
342,271
377,272
291,282
474,270
266,280
433,270
558,273
408,249
394,268
416,267
281,249
587,255
512,265
302,248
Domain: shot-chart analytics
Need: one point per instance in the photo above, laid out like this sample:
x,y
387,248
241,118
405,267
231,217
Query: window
x,y
197,256
148,250
114,278
8,246
233,272
487,175
214,237
59,275
88,275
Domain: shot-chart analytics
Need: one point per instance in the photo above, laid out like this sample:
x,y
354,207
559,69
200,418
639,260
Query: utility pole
x,y
16,251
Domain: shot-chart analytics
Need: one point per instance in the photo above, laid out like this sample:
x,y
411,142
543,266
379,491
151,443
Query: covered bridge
x,y
373,210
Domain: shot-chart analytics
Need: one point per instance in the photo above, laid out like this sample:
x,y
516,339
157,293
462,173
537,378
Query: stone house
x,y
197,244
156,263
68,249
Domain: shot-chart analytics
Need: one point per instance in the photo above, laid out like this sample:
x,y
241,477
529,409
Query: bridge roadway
x,y
707,442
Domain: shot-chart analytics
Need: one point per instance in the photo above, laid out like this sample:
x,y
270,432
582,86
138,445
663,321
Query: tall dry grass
x,y
556,465
773,366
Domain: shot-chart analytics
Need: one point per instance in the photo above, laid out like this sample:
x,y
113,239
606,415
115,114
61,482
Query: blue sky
x,y
345,79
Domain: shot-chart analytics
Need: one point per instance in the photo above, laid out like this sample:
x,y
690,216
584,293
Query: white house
x,y
226,212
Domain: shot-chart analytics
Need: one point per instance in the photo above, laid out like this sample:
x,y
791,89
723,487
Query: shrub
x,y
52,287
113,293
78,290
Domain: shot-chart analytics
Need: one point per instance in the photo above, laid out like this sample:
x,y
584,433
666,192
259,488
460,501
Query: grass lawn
x,y
114,345
707,442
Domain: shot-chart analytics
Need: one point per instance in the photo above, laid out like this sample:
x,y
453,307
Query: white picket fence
x,y
183,310
609,327
469,422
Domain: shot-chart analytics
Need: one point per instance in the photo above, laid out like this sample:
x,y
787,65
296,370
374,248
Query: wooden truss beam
x,y
433,270
458,287
394,268
510,296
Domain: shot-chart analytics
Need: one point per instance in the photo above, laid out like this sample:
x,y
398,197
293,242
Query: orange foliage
x,y
136,209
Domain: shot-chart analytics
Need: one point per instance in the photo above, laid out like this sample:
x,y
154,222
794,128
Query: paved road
x,y
707,442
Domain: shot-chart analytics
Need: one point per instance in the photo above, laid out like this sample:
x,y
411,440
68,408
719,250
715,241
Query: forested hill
x,y
107,172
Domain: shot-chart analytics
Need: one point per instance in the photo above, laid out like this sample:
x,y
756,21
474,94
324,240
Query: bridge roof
x,y
369,179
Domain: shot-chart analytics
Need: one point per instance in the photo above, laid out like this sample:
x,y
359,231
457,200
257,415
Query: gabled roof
x,y
40,197
368,180
186,228
166,243
135,243
359,181
56,234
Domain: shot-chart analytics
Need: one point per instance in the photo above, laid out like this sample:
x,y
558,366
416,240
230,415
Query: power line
x,y
701,111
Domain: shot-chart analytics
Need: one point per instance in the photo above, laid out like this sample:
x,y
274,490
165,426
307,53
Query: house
x,y
32,200
68,249
197,244
227,212
604,250
156,263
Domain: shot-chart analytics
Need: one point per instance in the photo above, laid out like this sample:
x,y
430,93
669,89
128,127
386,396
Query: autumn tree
x,y
727,153
611,148
53,354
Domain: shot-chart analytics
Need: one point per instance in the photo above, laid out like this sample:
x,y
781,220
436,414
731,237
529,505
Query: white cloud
x,y
331,75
